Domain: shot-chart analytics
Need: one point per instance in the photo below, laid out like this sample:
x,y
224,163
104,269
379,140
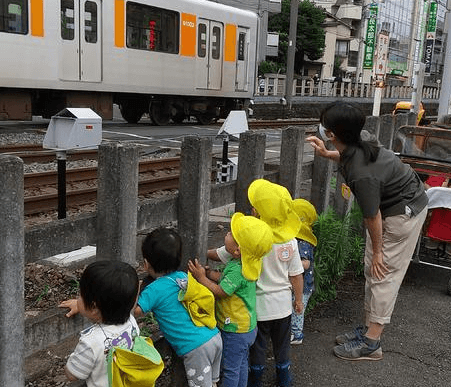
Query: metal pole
x,y
377,100
225,159
291,51
61,157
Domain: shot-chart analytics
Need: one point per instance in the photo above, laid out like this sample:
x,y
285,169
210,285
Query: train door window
x,y
90,22
153,29
216,43
241,46
14,16
67,20
202,40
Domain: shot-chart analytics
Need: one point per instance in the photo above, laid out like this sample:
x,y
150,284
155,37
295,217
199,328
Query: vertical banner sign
x,y
430,37
370,38
380,66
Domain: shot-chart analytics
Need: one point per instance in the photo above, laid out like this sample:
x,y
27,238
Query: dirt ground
x,y
416,344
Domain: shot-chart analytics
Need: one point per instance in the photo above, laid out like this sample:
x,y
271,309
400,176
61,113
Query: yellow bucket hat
x,y
255,240
275,206
307,214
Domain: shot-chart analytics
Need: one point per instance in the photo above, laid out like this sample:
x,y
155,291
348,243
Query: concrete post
x,y
251,165
291,158
386,130
194,198
117,202
320,192
12,262
372,125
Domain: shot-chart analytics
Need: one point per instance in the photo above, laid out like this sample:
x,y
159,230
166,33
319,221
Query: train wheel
x,y
131,114
178,118
204,119
159,113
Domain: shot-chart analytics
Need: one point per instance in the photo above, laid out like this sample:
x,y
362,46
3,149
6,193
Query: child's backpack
x,y
139,367
198,300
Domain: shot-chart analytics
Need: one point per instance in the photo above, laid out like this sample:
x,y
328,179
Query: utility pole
x,y
418,66
291,51
444,105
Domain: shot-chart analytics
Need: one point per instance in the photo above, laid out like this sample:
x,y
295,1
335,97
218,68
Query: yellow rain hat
x,y
255,240
274,204
307,214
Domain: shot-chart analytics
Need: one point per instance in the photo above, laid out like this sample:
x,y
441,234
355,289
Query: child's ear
x,y
237,252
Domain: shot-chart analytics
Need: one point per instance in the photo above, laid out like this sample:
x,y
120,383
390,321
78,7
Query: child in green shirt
x,y
234,289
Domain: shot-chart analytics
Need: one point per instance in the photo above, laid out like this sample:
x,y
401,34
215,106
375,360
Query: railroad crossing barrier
x,y
121,221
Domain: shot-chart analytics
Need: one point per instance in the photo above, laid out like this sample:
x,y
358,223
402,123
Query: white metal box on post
x,y
74,128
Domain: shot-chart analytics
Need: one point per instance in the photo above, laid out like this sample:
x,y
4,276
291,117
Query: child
x,y
306,245
247,243
199,346
281,274
108,292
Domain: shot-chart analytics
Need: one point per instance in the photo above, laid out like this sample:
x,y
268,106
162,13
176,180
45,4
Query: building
x,y
349,39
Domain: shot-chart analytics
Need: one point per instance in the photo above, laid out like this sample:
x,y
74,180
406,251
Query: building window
x,y
352,58
14,16
341,48
152,28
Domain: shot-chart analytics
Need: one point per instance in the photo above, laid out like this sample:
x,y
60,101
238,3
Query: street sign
x,y
370,38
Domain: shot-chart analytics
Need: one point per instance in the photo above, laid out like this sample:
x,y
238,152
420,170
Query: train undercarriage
x,y
22,104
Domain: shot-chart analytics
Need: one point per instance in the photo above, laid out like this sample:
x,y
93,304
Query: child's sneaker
x,y
359,349
296,339
357,333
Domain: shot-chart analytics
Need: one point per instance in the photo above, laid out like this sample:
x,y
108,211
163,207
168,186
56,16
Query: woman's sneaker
x,y
357,333
359,349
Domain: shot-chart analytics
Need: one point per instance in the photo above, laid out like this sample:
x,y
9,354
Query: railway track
x,y
81,183
148,183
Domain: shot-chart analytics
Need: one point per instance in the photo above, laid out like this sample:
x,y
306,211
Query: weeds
x,y
340,244
44,292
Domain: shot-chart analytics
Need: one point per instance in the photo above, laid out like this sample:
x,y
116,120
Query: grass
x,y
340,244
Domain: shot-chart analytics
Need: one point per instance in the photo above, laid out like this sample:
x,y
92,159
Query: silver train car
x,y
172,59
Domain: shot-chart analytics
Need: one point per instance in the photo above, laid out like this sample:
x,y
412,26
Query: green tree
x,y
310,39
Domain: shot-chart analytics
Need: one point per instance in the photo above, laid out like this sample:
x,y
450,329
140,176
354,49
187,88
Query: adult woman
x,y
394,206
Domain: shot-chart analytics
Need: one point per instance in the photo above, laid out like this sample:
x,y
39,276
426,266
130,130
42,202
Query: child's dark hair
x,y
346,121
112,287
162,249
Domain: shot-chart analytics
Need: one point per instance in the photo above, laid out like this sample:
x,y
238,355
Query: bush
x,y
340,244
270,67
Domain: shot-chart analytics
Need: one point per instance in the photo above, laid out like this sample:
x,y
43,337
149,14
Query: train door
x,y
242,61
209,53
81,33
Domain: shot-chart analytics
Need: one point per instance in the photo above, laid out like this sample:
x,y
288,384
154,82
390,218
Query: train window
x,y
90,22
216,43
14,16
241,45
152,28
67,20
202,40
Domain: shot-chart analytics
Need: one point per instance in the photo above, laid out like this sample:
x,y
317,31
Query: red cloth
x,y
440,221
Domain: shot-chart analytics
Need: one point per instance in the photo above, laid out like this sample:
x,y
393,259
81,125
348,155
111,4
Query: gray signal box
x,y
73,128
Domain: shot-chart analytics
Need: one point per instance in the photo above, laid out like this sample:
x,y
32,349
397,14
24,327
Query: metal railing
x,y
274,85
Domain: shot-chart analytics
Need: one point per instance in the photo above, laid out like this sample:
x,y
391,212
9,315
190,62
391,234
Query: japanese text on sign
x,y
370,38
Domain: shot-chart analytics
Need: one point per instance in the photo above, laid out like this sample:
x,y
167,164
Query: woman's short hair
x,y
112,287
162,248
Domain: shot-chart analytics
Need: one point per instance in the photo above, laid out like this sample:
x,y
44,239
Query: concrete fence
x,y
274,85
117,227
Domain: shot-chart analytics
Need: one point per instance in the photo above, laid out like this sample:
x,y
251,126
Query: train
x,y
172,59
